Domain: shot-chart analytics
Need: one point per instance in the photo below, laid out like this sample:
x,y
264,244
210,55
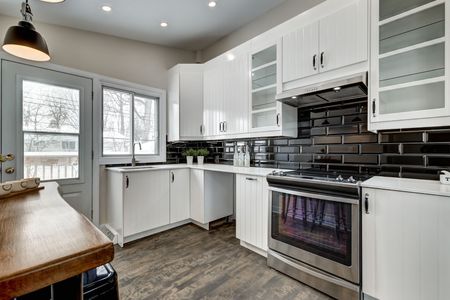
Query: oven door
x,y
319,230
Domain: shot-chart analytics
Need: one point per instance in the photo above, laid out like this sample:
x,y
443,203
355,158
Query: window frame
x,y
142,91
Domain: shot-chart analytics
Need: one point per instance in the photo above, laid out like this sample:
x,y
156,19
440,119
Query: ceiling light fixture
x,y
164,24
212,3
106,8
24,41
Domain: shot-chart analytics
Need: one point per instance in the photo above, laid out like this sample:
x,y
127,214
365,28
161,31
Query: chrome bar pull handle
x,y
366,204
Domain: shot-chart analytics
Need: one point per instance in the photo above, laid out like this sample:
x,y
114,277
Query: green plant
x,y
190,152
202,152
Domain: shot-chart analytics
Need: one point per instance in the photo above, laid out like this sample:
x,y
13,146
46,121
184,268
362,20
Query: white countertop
x,y
252,171
430,187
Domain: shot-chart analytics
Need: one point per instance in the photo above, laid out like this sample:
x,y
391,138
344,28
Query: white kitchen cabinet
x,y
268,117
301,53
179,195
185,102
212,195
406,245
331,42
409,60
252,212
226,81
137,203
213,87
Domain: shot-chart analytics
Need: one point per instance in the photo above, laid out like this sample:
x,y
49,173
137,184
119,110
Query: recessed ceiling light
x,y
212,3
106,8
337,89
53,1
294,97
164,24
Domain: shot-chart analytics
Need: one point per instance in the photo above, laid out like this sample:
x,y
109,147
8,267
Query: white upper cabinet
x,y
343,37
226,94
267,115
185,102
333,41
301,53
409,60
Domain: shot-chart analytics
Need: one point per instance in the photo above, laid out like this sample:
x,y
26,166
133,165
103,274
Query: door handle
x,y
322,59
315,62
374,107
250,179
220,126
278,119
173,177
10,170
225,126
201,129
127,182
366,204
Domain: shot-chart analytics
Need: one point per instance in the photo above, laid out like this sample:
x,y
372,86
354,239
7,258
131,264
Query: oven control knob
x,y
339,178
351,179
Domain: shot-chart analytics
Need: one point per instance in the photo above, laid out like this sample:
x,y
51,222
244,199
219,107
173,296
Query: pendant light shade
x,y
24,41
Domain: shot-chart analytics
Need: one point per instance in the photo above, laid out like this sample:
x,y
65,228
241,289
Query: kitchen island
x,y
44,241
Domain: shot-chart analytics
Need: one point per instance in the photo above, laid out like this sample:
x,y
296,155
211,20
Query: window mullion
x,y
132,121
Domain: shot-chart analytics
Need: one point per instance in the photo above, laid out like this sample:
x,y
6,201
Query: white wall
x,y
115,57
272,18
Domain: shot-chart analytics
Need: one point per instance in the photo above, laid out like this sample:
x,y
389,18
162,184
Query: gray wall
x,y
119,58
272,18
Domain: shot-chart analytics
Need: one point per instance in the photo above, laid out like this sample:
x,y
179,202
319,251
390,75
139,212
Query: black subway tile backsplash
x,y
336,138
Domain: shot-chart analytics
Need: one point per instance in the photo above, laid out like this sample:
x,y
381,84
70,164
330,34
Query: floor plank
x,y
192,263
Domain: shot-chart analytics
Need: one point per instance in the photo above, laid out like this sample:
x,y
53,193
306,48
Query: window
x,y
51,129
128,119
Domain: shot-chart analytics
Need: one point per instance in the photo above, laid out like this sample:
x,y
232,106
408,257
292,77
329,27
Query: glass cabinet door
x,y
264,88
410,60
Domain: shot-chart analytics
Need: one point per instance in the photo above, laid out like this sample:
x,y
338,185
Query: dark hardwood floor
x,y
191,263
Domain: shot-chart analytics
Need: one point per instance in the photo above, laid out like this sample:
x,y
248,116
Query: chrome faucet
x,y
133,156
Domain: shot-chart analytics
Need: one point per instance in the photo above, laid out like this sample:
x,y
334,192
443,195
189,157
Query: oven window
x,y
318,226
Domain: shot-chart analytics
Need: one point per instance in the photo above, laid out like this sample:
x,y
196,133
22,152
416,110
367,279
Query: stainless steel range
x,y
314,233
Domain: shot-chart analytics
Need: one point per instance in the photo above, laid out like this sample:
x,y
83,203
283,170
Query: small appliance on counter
x,y
445,177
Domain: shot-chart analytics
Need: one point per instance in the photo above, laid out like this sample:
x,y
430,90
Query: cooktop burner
x,y
317,174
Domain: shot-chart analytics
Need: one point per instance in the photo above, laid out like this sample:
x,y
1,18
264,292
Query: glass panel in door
x,y
51,129
315,225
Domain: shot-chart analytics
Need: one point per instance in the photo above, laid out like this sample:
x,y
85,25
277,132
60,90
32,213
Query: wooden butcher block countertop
x,y
43,240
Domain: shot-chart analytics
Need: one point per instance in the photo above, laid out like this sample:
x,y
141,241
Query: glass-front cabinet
x,y
409,61
267,115
264,88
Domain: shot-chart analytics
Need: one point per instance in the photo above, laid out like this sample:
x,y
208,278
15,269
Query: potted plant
x,y
190,153
201,153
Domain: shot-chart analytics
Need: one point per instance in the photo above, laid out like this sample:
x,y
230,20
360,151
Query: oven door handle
x,y
318,196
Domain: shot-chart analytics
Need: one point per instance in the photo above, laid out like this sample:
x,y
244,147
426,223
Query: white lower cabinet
x,y
179,195
252,212
406,245
211,196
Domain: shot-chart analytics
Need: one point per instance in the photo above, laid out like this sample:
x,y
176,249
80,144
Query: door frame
x,y
97,81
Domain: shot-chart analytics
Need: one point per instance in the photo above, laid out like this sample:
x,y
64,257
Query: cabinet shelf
x,y
411,84
410,12
414,47
272,63
268,87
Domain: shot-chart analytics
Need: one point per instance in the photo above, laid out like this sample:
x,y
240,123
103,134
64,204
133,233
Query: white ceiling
x,y
192,24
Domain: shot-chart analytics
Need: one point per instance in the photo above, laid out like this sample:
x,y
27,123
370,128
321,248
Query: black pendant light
x,y
24,41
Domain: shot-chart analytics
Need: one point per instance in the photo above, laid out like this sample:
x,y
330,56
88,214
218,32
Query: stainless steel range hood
x,y
329,92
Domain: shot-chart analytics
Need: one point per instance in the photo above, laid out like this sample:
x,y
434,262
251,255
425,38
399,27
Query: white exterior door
x,y
46,123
